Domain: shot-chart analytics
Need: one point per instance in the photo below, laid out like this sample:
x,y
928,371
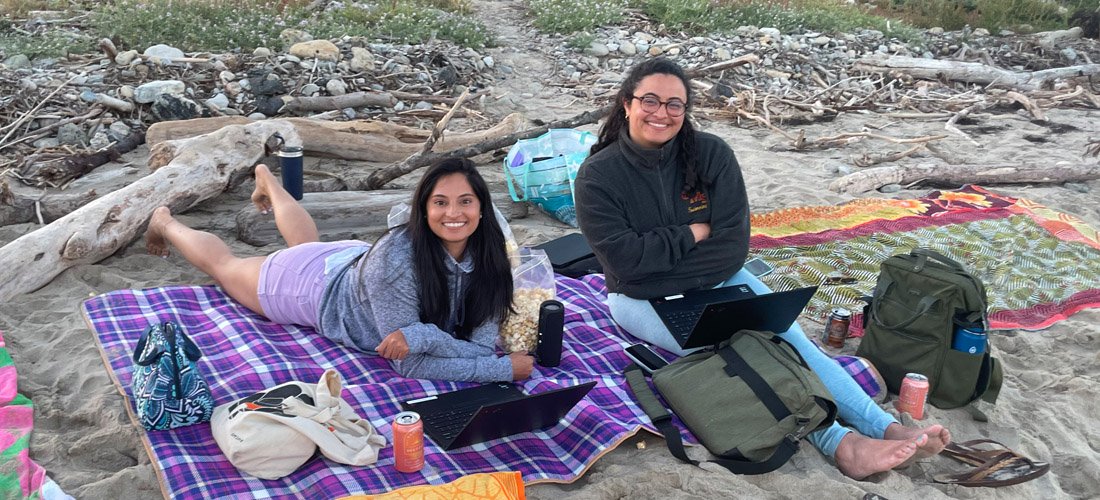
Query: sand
x,y
85,440
87,443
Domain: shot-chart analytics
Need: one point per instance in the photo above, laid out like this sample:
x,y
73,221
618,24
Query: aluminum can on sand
x,y
912,395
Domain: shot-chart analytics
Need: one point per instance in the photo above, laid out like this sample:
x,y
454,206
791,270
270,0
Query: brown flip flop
x,y
1000,467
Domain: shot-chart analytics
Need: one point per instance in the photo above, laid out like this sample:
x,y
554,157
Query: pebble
x,y
336,87
148,92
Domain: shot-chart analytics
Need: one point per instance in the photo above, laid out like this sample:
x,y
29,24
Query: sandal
x,y
994,467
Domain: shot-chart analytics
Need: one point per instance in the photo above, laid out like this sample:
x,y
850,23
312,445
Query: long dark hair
x,y
616,121
489,294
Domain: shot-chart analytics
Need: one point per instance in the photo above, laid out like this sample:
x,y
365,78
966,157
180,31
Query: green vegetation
x,y
569,16
216,25
897,18
405,22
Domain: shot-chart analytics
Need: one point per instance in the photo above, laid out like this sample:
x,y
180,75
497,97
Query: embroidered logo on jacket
x,y
696,201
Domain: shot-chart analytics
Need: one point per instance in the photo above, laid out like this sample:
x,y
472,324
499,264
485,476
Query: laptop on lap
x,y
469,416
706,317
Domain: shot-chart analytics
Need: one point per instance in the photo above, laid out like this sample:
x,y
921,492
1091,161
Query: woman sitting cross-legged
x,y
429,295
666,211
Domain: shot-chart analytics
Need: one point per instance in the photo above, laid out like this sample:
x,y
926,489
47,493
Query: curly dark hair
x,y
609,133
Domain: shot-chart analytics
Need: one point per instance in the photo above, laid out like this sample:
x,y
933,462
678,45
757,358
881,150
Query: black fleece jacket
x,y
631,211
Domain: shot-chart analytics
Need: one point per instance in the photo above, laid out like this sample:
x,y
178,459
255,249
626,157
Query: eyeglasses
x,y
650,104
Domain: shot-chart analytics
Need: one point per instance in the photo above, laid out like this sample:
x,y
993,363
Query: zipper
x,y
173,351
665,208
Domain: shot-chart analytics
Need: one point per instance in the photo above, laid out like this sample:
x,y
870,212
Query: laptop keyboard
x,y
449,423
681,322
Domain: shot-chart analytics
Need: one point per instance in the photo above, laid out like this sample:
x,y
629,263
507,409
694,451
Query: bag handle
x,y
142,343
923,306
923,254
662,419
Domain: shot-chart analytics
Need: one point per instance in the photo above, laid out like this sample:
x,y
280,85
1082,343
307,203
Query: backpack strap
x,y
657,413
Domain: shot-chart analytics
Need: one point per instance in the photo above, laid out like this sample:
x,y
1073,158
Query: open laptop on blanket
x,y
706,317
478,414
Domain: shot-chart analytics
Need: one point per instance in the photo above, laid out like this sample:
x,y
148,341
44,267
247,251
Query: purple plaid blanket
x,y
244,353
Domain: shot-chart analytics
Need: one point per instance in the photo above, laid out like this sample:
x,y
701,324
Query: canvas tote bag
x,y
273,432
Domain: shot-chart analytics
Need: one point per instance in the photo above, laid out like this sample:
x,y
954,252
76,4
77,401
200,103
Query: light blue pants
x,y
857,409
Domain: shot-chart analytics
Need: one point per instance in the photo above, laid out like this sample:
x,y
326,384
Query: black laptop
x,y
706,317
478,414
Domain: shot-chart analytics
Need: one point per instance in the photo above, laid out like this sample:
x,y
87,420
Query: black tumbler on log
x,y
290,162
551,323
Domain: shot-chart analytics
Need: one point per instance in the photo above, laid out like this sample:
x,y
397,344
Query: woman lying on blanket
x,y
665,210
429,296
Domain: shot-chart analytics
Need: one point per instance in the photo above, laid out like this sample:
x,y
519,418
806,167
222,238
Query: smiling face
x,y
453,212
653,130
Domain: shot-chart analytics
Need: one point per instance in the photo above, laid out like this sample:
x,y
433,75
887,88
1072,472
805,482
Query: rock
x,y
488,61
169,107
126,92
722,54
656,50
981,32
232,89
124,58
268,105
256,116
597,49
747,31
336,86
148,92
628,48
265,83
361,60
219,102
310,89
821,41
17,61
935,31
890,188
46,142
71,134
423,105
99,140
118,131
319,49
1069,54
164,52
261,52
291,37
770,33
226,76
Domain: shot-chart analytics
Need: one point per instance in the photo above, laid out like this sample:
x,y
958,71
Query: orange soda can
x,y
408,442
912,395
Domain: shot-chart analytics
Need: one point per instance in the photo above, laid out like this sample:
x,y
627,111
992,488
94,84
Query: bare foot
x,y
154,236
261,196
860,456
938,437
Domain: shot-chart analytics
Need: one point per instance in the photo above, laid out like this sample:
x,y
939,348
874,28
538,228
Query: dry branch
x,y
934,69
955,175
326,103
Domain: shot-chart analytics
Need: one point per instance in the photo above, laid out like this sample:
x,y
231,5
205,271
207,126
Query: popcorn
x,y
521,331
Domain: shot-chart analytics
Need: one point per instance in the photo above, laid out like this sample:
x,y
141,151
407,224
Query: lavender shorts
x,y
293,279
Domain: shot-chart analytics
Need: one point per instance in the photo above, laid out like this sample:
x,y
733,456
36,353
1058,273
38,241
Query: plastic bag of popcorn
x,y
533,281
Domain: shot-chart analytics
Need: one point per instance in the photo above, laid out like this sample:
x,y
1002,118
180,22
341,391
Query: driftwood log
x,y
352,100
53,170
954,175
355,140
934,69
347,215
200,169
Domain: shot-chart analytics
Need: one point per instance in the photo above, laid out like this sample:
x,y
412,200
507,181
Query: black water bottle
x,y
551,323
290,162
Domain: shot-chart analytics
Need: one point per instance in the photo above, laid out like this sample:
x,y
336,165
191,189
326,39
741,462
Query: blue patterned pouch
x,y
168,389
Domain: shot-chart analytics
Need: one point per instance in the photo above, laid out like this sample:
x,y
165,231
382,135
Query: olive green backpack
x,y
919,299
749,401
